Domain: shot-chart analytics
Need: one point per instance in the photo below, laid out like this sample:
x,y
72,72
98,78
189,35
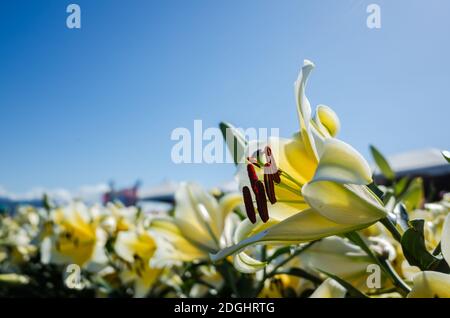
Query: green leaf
x,y
374,188
414,249
279,252
446,155
235,140
351,290
414,195
382,163
401,186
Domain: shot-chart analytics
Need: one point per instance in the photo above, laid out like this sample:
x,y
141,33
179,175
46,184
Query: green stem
x,y
392,229
396,279
292,256
282,263
402,287
226,270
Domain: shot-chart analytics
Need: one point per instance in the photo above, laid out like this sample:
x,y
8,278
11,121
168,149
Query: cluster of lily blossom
x,y
308,221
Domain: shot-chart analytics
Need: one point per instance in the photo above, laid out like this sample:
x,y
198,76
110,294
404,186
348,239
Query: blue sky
x,y
88,106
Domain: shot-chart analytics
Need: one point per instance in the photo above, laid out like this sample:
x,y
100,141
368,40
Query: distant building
x,y
427,163
8,205
127,197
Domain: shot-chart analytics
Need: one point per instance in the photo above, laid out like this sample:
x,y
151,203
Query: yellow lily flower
x,y
75,238
281,286
116,217
200,225
428,284
136,248
315,182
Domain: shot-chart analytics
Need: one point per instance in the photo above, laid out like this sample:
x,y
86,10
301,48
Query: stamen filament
x,y
286,175
289,188
292,201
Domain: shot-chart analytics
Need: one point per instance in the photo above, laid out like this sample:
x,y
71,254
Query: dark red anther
x,y
253,177
249,208
261,202
270,188
276,177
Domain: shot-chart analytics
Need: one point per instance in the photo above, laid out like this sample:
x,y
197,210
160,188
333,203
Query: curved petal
x,y
429,284
344,204
304,226
197,215
341,163
445,241
246,264
304,108
172,245
227,204
327,119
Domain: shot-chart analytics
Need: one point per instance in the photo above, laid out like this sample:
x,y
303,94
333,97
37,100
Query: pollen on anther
x,y
270,188
253,177
248,202
261,202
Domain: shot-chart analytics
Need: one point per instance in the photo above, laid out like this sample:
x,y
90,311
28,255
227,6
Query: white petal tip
x,y
308,63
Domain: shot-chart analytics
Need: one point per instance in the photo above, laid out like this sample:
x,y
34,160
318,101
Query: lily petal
x,y
344,204
327,119
329,289
246,264
305,226
445,241
227,204
172,245
429,284
304,108
197,216
341,163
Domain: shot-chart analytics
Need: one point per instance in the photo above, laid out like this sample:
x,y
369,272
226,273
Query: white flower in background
x,y
201,224
74,237
115,218
329,289
136,248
